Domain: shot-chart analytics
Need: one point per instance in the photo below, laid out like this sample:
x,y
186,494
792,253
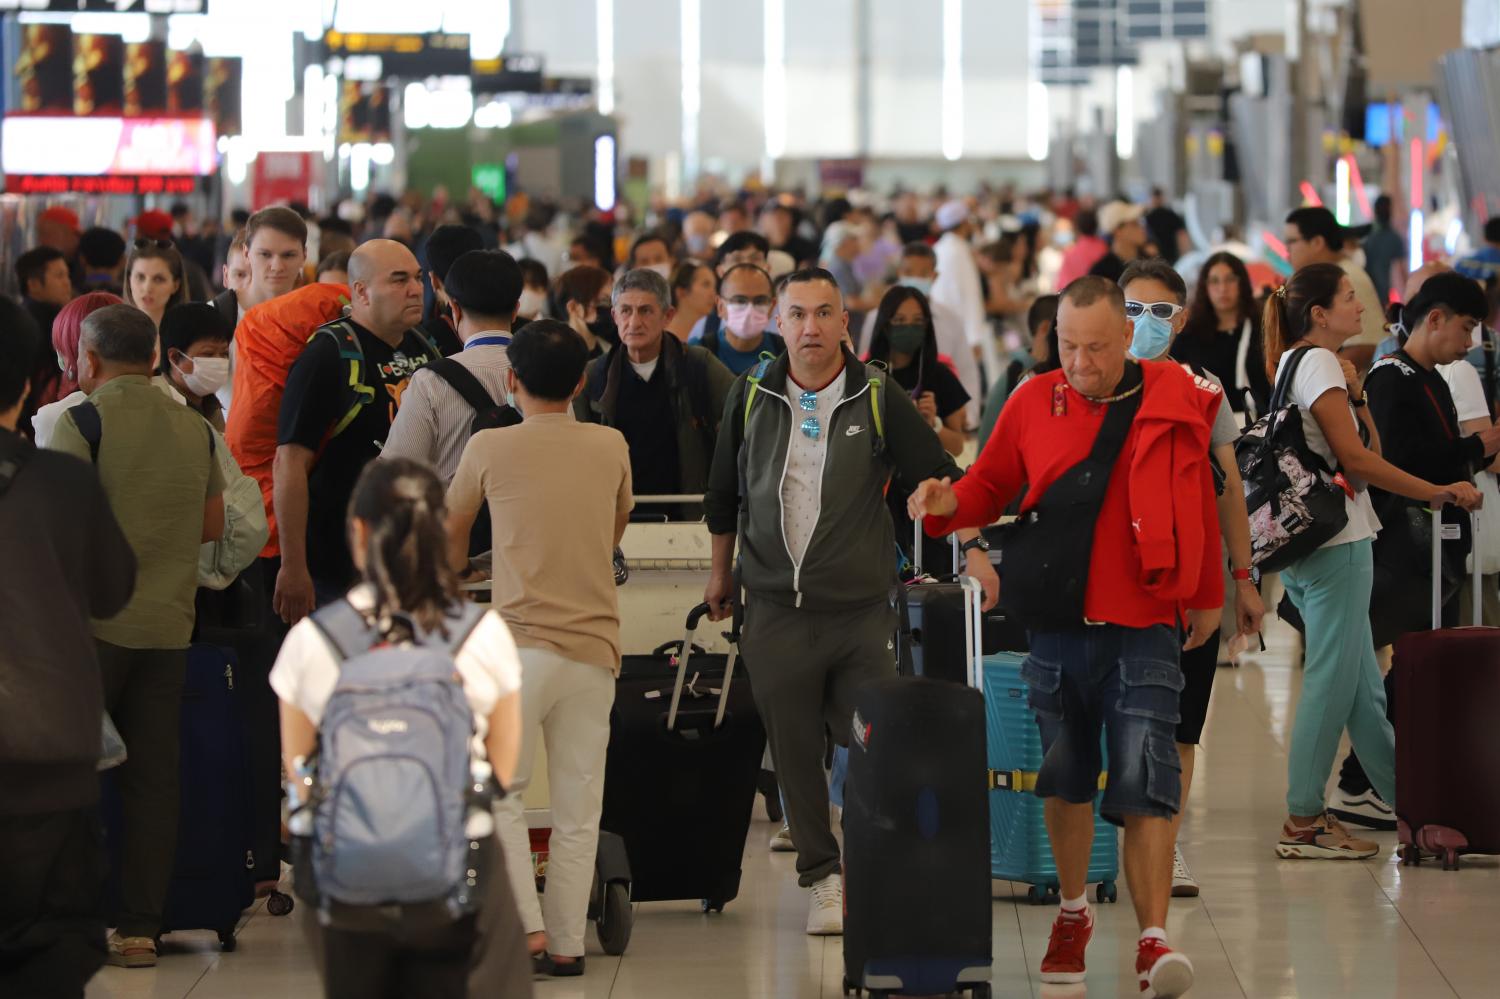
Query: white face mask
x,y
665,270
209,374
531,303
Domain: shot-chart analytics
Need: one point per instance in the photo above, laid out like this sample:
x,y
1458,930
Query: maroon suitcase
x,y
1447,692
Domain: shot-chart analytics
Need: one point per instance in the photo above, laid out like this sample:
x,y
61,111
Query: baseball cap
x,y
61,216
153,225
1118,213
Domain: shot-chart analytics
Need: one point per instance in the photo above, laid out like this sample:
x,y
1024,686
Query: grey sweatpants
x,y
804,668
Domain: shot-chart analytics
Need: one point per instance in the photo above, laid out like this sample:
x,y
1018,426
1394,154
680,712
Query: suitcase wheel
x,y
279,903
616,919
712,905
1450,860
1107,892
1038,894
982,990
1411,855
227,942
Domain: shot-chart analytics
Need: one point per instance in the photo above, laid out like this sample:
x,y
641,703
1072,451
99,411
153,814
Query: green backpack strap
x,y
754,378
360,395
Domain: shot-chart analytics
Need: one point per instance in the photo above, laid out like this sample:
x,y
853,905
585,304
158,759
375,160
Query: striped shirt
x,y
432,425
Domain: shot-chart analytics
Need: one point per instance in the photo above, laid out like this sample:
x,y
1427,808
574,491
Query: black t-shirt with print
x,y
317,398
948,392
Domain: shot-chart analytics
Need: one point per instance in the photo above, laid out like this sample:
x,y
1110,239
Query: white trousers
x,y
567,705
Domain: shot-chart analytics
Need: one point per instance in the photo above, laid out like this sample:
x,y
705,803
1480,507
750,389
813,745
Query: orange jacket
x,y
270,337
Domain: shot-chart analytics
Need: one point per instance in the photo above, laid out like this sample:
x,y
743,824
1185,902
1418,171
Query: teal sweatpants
x,y
1341,681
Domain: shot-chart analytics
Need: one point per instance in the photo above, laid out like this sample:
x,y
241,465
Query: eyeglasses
x,y
160,244
1161,310
760,301
811,428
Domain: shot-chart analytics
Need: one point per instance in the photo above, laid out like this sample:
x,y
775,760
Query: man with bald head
x,y
341,397
1115,546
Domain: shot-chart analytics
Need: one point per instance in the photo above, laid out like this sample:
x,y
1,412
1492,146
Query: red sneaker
x,y
1163,973
1063,964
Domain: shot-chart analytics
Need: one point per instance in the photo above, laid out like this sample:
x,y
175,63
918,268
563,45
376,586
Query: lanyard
x,y
489,340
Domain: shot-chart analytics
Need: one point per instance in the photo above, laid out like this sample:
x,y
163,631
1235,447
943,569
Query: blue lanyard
x,y
489,340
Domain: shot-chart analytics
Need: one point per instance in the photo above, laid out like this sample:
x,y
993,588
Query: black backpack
x,y
488,415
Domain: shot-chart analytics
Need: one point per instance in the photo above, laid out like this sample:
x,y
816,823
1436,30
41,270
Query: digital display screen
x,y
107,147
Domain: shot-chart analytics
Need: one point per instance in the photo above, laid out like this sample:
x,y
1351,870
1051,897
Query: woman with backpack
x,y
1306,322
378,692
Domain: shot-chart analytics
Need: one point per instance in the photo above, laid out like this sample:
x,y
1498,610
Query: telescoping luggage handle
x,y
973,607
694,617
1449,532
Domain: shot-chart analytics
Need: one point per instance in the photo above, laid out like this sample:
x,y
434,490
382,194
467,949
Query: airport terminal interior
x,y
749,499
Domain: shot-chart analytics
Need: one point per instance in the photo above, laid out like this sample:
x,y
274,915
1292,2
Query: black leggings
x,y
396,965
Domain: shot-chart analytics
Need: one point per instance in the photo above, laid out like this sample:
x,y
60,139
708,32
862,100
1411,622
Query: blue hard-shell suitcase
x,y
1019,850
212,877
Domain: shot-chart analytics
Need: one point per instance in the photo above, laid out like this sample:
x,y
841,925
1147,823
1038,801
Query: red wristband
x,y
1239,575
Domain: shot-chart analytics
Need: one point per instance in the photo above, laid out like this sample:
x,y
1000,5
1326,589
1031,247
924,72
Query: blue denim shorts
x,y
1125,682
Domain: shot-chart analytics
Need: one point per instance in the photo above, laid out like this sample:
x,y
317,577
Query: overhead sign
x,y
107,6
107,147
138,184
508,74
413,55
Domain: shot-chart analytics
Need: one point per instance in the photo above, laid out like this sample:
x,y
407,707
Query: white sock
x,y
1079,904
1154,931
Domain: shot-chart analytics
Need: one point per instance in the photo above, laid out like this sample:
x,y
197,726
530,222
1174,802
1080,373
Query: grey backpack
x,y
394,788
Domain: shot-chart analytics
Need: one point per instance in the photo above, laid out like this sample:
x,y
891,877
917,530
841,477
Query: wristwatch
x,y
1361,402
975,544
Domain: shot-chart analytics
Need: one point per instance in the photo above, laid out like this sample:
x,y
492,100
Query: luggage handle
x,y
973,607
1437,570
916,547
695,616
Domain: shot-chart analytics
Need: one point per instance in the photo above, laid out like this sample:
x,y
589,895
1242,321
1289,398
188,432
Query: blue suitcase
x,y
1019,850
212,877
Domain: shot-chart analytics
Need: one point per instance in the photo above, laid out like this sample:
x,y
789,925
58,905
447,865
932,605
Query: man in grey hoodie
x,y
808,442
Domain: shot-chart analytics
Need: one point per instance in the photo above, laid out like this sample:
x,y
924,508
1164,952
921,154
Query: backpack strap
x,y
469,616
345,629
877,402
360,394
756,375
86,419
462,381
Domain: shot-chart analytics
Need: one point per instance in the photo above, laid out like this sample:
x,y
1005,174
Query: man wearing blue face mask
x,y
917,269
1154,298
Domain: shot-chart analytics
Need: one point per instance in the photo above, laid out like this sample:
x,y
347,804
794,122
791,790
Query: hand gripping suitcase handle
x,y
695,616
1476,600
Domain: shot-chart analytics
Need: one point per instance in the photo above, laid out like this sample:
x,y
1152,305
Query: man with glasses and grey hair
x,y
665,397
809,441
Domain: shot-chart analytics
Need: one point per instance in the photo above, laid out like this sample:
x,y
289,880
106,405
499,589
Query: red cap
x,y
61,216
153,225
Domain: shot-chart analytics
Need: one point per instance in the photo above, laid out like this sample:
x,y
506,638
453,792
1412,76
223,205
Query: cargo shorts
x,y
1125,683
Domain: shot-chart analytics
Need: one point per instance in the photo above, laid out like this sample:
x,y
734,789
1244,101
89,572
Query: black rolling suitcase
x,y
685,746
917,917
213,870
941,620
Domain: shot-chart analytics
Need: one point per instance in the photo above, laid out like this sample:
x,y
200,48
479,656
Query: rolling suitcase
x,y
917,910
936,617
685,746
213,870
1447,693
1019,848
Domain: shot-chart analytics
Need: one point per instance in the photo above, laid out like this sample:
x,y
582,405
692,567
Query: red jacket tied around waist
x,y
1157,550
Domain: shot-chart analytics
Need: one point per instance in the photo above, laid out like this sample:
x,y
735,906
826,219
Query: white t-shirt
x,y
802,487
1319,372
307,669
1467,390
646,370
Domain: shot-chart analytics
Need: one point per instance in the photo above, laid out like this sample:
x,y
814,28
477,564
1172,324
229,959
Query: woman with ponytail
x,y
1306,322
409,595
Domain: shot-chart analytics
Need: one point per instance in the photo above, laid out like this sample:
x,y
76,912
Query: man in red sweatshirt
x,y
1153,562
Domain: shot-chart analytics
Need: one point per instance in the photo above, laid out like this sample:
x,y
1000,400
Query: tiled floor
x,y
1263,928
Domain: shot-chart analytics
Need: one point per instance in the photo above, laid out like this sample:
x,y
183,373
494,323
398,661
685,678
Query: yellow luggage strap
x,y
1024,781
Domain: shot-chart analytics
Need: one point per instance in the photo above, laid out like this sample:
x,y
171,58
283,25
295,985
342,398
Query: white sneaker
x,y
825,914
1183,885
782,841
1366,809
